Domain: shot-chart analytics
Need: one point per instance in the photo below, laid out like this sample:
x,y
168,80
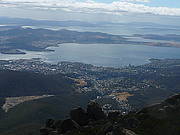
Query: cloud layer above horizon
x,y
117,7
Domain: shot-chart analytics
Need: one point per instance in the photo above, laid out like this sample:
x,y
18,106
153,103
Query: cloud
x,y
118,7
136,0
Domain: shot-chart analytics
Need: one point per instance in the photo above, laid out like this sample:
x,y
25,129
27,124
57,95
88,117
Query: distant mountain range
x,y
13,36
69,23
12,39
31,22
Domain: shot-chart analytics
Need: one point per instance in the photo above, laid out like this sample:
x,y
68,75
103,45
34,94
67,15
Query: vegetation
x,y
15,83
159,119
154,82
28,117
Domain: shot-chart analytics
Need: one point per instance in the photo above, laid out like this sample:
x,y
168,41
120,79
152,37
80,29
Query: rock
x,y
117,130
50,123
45,131
174,101
80,116
128,132
68,125
107,128
57,125
161,119
131,122
113,115
53,133
95,112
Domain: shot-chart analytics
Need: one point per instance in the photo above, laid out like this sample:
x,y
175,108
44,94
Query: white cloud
x,y
136,0
90,6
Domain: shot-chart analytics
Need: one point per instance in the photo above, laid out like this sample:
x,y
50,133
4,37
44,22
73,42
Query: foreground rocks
x,y
80,116
159,119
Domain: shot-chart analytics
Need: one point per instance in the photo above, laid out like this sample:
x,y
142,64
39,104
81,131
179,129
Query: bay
x,y
109,55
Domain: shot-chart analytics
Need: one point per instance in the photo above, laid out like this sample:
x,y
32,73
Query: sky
x,y
156,3
91,9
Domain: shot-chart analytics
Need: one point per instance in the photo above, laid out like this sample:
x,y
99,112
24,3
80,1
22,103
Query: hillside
x,y
136,87
159,119
24,84
27,118
16,83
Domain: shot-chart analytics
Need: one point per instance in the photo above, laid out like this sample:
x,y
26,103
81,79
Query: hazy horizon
x,y
156,11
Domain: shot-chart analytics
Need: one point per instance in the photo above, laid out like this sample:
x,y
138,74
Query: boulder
x,y
69,125
132,122
106,129
80,116
95,111
57,125
113,115
45,131
128,132
50,123
117,130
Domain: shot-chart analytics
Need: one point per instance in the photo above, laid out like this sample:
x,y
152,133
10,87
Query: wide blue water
x,y
106,54
113,55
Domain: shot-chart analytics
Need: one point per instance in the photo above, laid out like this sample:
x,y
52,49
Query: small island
x,y
11,51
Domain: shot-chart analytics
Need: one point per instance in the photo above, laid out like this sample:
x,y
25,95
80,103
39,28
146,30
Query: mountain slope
x,y
158,119
15,83
28,117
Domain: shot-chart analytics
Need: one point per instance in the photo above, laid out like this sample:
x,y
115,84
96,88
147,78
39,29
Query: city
x,y
117,84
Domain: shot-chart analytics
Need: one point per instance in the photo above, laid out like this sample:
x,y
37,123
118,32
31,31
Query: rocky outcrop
x,y
95,112
59,127
113,115
80,116
159,119
68,125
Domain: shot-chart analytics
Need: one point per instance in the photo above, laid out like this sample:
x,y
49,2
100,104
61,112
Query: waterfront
x,y
109,55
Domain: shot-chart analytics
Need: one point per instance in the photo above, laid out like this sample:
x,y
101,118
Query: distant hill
x,y
27,22
13,39
40,39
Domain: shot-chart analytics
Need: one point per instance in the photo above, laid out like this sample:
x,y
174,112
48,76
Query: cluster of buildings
x,y
105,80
